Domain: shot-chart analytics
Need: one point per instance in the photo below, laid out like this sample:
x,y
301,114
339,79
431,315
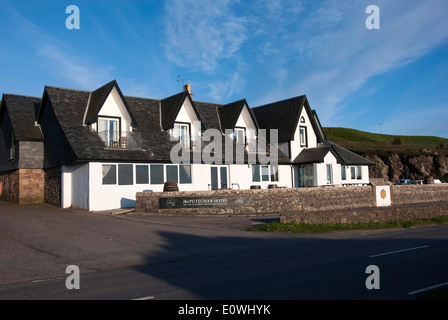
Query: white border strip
x,y
392,252
428,288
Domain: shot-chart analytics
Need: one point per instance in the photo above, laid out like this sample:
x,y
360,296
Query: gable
x,y
22,114
110,97
172,106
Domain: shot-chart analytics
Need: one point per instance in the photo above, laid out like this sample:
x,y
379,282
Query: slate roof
x,y
229,114
155,144
284,117
343,156
22,112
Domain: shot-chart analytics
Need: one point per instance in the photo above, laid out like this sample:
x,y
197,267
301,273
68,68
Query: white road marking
x,y
398,251
47,279
144,298
428,288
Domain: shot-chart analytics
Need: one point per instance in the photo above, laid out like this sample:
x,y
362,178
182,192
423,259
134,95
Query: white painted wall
x,y
115,107
311,135
75,186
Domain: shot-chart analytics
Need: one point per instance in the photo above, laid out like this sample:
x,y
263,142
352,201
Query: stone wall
x,y
265,200
22,186
52,190
409,194
366,215
31,186
315,205
10,186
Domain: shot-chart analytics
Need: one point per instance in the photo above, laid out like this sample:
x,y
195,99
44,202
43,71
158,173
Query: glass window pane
x,y
125,174
274,173
185,174
214,175
265,173
343,173
352,169
256,173
141,174
157,174
109,174
359,176
329,174
172,174
224,183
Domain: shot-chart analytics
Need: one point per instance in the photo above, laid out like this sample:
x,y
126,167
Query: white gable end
x,y
304,137
114,107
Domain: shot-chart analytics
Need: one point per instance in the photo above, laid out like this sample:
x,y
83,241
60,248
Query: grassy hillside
x,y
365,142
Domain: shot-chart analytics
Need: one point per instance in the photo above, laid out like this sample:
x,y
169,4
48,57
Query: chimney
x,y
187,88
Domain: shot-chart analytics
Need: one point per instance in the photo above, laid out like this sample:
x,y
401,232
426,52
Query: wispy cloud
x,y
201,33
223,90
78,72
336,54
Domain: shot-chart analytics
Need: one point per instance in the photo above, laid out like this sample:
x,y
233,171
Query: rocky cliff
x,y
393,166
396,157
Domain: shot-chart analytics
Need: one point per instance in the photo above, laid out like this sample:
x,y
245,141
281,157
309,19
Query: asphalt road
x,y
132,256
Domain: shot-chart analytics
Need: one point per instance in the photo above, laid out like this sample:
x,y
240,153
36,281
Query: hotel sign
x,y
204,202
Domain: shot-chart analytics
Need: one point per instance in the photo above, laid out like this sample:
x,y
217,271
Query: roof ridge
x,y
280,101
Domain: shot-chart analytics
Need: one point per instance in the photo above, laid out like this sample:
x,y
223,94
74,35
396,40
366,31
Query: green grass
x,y
322,228
365,142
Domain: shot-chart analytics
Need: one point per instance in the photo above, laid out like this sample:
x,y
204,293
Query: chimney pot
x,y
187,88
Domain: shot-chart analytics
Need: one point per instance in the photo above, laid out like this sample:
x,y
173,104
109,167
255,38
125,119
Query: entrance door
x,y
219,178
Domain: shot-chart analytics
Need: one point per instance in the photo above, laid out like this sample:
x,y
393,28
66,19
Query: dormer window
x,y
239,135
181,132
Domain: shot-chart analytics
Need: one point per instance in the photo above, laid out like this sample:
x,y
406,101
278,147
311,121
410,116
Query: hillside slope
x,y
411,157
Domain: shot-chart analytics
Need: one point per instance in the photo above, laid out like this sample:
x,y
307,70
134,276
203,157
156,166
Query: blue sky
x,y
393,80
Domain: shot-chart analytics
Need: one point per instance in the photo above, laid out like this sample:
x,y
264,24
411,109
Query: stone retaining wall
x,y
366,215
314,205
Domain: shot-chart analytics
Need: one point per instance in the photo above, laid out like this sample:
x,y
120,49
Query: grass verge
x,y
322,228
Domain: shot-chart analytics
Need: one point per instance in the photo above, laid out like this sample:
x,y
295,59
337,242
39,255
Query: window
x,y
329,174
303,137
109,131
185,174
172,173
359,175
274,173
265,173
353,173
343,173
157,175
141,174
182,133
109,174
256,173
239,135
125,174
12,149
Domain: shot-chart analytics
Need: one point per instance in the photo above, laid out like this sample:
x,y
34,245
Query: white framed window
x,y
329,174
239,135
12,149
262,173
303,137
358,173
109,130
181,132
353,173
343,173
